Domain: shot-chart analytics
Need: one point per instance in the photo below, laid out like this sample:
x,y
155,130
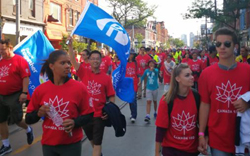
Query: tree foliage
x,y
139,38
131,12
79,46
175,42
227,16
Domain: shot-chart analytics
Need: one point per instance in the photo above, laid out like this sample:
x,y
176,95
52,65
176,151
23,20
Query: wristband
x,y
25,93
200,134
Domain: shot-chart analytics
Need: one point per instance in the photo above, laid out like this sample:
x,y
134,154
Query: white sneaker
x,y
132,120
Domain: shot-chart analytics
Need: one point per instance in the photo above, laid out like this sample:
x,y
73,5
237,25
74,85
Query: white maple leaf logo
x,y
143,63
58,110
184,122
228,93
94,88
130,71
4,71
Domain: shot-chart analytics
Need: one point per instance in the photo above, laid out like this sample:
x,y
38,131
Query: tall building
x,y
184,38
191,39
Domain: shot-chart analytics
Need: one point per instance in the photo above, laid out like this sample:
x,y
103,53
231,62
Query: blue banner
x,y
98,25
35,49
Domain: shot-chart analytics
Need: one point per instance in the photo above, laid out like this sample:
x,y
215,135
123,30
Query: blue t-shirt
x,y
152,82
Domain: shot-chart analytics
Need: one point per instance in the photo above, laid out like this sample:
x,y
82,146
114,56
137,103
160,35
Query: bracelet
x,y
26,93
200,134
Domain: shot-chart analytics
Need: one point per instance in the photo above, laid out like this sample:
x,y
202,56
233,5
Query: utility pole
x,y
206,30
133,37
215,7
17,21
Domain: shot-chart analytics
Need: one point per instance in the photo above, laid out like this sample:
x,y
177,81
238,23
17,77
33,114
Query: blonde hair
x,y
174,85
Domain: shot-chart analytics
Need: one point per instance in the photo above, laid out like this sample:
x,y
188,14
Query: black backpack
x,y
197,101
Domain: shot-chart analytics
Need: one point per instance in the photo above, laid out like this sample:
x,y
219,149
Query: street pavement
x,y
139,139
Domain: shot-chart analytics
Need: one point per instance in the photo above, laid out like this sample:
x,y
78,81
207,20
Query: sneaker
x,y
102,154
147,119
155,115
4,150
132,120
30,136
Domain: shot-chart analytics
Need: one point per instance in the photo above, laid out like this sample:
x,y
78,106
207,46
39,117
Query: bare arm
x,y
23,97
75,64
157,148
112,99
203,116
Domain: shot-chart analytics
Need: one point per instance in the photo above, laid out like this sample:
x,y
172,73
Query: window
x,y
14,6
76,17
32,7
71,17
55,11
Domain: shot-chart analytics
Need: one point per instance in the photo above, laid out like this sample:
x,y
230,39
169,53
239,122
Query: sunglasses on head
x,y
226,44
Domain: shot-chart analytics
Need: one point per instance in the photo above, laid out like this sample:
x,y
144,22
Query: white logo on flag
x,y
121,37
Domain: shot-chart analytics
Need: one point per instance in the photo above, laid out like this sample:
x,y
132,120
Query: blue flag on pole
x,y
35,48
98,25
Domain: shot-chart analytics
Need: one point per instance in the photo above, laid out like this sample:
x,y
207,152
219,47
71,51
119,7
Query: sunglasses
x,y
226,44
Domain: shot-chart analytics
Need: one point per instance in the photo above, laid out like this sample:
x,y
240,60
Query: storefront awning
x,y
54,34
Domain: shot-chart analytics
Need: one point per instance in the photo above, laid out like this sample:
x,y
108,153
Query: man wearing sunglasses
x,y
220,85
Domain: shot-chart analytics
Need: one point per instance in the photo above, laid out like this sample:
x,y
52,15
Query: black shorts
x,y
94,130
11,107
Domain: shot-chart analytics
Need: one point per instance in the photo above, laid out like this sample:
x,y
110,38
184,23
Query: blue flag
x,y
35,49
98,25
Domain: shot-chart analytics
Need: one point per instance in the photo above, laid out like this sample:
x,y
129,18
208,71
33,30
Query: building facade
x,y
31,18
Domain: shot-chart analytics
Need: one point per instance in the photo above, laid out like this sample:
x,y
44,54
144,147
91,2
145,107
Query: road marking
x,y
27,146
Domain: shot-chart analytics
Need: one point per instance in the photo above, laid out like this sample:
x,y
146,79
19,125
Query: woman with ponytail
x,y
65,105
176,130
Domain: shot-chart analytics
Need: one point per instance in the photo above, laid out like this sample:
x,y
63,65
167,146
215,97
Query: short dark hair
x,y
227,31
87,51
245,47
7,43
95,52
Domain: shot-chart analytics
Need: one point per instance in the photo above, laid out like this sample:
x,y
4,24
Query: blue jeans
x,y
133,108
216,152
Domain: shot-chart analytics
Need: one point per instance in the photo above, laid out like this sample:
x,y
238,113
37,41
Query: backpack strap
x,y
208,63
197,102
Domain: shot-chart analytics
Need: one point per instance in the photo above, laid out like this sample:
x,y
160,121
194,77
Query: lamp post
x,y
17,21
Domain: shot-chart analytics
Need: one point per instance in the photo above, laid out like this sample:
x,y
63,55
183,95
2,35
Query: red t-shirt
x,y
86,65
142,63
166,74
185,60
195,66
182,131
162,57
12,73
131,71
219,88
68,101
212,61
106,63
115,65
99,87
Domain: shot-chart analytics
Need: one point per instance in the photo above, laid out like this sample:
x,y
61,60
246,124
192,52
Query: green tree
x,y
93,46
227,16
177,42
79,46
139,38
131,12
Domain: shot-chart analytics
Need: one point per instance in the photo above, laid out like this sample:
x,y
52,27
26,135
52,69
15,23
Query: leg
x,y
144,87
74,149
4,131
22,124
148,106
216,152
133,108
139,92
98,131
155,106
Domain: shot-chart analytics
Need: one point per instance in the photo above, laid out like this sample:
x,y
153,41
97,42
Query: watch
x,y
25,93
